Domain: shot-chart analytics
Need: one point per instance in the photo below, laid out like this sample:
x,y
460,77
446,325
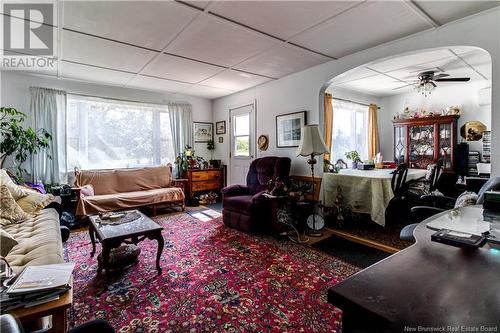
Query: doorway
x,y
242,129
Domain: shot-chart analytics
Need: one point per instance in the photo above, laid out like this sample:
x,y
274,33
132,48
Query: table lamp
x,y
311,145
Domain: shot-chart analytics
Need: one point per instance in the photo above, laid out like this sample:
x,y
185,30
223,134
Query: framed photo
x,y
220,127
221,139
203,132
289,129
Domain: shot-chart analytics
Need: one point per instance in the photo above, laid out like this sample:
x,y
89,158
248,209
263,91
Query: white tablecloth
x,y
364,191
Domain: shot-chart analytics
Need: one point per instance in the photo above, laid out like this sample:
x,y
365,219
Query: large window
x,y
106,133
350,129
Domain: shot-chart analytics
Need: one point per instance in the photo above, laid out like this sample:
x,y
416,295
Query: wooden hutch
x,y
422,141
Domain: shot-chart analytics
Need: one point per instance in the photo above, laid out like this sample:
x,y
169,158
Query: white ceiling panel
x,y
94,74
234,80
446,11
410,60
198,3
218,42
151,83
373,85
281,61
180,69
354,74
364,26
282,19
100,52
148,24
206,92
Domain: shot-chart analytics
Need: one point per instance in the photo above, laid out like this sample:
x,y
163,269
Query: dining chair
x,y
419,187
398,206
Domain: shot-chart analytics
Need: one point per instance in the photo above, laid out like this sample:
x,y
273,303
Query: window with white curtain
x,y
106,133
350,129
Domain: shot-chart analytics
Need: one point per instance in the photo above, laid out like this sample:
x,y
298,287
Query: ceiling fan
x,y
426,81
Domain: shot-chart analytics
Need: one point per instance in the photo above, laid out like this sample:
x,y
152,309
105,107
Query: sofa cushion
x,y
15,190
39,241
122,201
125,180
34,201
10,212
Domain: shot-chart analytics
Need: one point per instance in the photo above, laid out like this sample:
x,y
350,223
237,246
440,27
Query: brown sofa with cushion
x,y
122,189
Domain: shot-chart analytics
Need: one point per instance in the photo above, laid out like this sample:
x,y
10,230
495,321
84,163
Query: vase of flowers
x,y
354,157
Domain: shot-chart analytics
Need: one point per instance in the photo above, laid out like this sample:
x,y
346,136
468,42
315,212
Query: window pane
x,y
242,124
350,130
113,134
242,145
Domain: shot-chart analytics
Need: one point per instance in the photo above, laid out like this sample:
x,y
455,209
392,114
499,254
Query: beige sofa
x,y
122,189
39,241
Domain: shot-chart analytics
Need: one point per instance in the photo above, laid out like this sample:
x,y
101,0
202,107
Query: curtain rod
x,y
348,100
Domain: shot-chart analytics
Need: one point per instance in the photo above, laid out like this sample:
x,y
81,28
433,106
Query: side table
x,y
282,216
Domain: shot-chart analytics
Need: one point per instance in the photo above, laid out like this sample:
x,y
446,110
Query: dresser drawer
x,y
205,186
214,175
197,176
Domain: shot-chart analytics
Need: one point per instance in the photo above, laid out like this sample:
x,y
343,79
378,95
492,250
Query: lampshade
x,y
312,142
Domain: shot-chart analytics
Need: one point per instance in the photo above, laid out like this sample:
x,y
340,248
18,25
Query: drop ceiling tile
x,y
282,19
234,80
353,74
198,3
215,41
180,69
149,24
409,60
447,11
94,74
362,27
282,60
104,53
151,83
373,85
206,92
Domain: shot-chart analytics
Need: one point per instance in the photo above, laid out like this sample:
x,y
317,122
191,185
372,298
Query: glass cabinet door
x,y
421,147
445,145
399,144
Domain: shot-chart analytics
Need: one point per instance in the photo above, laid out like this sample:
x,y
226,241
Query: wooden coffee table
x,y
113,235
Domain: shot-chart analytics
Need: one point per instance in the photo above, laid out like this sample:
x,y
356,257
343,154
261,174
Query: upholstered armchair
x,y
244,207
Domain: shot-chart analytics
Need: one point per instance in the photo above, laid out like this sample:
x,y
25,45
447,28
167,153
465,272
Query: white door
x,y
242,120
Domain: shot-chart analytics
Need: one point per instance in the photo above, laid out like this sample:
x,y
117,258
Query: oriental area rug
x,y
215,279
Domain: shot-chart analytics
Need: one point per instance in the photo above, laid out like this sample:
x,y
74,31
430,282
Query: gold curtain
x,y
373,139
328,112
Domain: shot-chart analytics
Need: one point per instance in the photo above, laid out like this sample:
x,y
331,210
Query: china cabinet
x,y
422,141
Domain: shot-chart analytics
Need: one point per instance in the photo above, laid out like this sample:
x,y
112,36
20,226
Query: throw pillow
x,y
7,242
16,190
10,211
34,201
466,199
86,190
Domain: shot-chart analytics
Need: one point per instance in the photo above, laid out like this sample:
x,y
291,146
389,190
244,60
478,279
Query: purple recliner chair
x,y
243,207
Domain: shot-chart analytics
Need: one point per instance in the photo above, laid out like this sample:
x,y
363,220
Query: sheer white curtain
x,y
350,129
48,107
181,124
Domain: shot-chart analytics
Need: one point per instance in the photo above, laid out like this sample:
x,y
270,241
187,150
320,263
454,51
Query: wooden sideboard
x,y
203,180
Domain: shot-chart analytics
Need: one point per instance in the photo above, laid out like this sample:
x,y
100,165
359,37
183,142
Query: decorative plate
x,y
263,142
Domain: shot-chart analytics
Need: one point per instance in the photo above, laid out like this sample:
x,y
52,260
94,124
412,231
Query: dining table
x,y
364,191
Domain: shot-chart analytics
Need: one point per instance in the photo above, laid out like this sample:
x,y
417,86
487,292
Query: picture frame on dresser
x,y
289,129
203,132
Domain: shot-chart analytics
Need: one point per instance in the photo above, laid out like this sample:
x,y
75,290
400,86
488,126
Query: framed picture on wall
x,y
220,127
289,129
203,132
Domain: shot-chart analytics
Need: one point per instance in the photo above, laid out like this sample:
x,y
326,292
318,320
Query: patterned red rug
x,y
215,279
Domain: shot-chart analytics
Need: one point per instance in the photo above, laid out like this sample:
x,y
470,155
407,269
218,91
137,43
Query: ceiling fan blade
x,y
411,84
439,76
454,79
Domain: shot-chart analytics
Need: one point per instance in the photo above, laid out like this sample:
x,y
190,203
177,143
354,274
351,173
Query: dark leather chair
x,y
437,204
398,206
243,207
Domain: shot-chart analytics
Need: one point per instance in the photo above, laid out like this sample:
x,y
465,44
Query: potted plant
x,y
18,141
354,157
